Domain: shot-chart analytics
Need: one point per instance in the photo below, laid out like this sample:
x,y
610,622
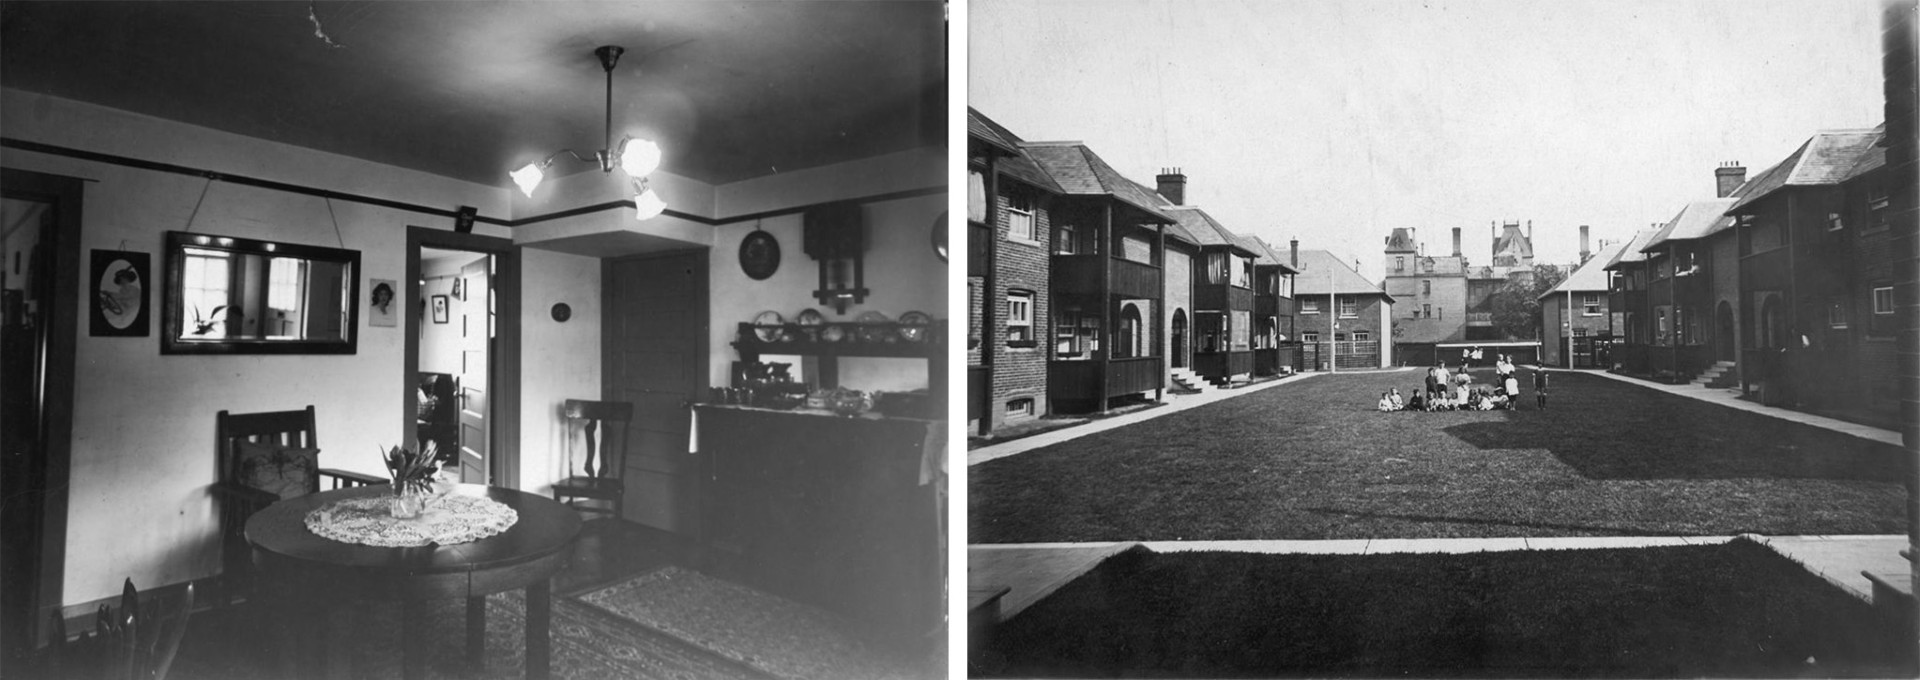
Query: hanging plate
x,y
767,326
759,255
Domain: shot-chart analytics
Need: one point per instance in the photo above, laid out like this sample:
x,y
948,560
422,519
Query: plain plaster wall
x,y
559,361
440,343
143,423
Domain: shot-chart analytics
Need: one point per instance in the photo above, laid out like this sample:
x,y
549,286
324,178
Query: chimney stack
x,y
1584,253
1456,241
1529,231
1296,254
1173,185
1727,177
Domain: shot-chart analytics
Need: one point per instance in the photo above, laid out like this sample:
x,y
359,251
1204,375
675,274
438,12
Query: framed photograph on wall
x,y
119,294
381,310
439,309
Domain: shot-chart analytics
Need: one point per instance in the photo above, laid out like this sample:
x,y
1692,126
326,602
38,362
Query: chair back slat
x,y
293,429
596,413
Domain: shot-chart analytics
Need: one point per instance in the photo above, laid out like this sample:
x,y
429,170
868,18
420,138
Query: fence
x,y
1346,354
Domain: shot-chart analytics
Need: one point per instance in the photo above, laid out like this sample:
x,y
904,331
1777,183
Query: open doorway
x,y
456,332
462,380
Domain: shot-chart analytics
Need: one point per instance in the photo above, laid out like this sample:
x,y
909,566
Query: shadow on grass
x,y
1646,435
1733,610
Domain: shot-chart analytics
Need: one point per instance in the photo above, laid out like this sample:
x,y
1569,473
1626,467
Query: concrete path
x,y
1730,398
1841,559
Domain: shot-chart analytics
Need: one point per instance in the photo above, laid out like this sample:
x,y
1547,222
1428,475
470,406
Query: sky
x,y
1335,121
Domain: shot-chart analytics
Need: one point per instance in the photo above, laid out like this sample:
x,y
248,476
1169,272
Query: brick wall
x,y
1179,277
1020,373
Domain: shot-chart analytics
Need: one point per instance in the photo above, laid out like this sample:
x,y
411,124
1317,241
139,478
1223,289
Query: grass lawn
x,y
1314,460
1731,610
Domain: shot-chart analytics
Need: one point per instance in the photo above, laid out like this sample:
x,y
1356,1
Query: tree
x,y
1516,304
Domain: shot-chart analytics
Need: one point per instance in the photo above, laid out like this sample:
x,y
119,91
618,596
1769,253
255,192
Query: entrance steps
x,y
1187,379
1718,376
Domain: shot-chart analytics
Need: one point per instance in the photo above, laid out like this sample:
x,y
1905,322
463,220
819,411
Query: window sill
x,y
1021,344
1025,242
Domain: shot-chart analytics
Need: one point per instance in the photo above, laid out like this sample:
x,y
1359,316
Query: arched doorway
x,y
1179,338
1131,343
1723,332
1773,330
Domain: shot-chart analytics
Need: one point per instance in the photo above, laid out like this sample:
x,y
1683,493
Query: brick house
x,y
1222,289
1276,348
1107,283
1693,288
1576,309
1010,295
1629,313
1341,314
1182,251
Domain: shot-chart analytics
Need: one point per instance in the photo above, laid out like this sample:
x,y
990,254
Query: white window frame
x,y
1363,336
1589,304
1879,294
1349,307
1066,239
1023,407
1020,316
1020,218
1310,305
1310,337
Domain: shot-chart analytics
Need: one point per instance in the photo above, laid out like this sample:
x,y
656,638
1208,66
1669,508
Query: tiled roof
x,y
1512,238
1592,274
1018,165
1873,158
1263,254
1079,171
1699,219
1314,265
1631,253
1401,240
1827,158
1206,231
984,129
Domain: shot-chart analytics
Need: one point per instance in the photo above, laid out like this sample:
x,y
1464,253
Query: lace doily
x,y
446,521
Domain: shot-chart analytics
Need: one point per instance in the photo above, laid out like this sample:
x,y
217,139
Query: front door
x,y
1179,338
476,345
655,357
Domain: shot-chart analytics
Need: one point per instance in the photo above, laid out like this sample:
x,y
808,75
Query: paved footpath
x,y
1034,570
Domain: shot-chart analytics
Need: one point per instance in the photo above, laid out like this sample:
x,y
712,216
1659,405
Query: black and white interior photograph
x,y
356,339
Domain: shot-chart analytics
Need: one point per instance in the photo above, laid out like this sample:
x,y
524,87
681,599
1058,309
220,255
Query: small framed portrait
x,y
119,294
439,309
381,310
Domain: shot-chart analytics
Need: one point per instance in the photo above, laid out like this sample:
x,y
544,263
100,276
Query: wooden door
x,y
655,356
476,344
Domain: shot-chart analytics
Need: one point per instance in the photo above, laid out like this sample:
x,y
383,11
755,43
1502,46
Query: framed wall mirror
x,y
228,295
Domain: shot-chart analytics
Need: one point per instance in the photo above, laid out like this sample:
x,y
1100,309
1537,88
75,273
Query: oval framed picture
x,y
759,255
940,236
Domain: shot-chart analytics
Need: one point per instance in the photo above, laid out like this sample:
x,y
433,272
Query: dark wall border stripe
x,y
111,159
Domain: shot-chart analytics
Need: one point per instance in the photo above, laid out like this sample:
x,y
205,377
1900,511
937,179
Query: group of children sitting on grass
x,y
1456,392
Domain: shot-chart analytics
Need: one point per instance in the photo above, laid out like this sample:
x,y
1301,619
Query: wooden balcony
x,y
1081,274
1080,380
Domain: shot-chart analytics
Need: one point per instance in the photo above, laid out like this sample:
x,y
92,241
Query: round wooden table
x,y
308,573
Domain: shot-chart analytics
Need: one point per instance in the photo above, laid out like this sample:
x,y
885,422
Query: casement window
x,y
1242,270
1590,304
1835,222
1136,249
1349,308
1883,300
1020,408
1363,336
1310,337
1216,268
1426,287
1020,318
1212,337
1660,327
1020,218
1579,331
204,283
1076,335
1310,306
1242,330
1066,239
1876,209
976,196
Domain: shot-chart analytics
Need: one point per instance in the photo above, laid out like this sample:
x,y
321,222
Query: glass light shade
x,y
647,204
638,157
528,178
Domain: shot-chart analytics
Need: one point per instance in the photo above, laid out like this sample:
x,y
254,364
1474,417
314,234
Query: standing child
x,y
1540,387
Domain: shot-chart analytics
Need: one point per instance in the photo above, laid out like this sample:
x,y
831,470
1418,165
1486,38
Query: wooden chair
x,y
238,501
136,643
603,482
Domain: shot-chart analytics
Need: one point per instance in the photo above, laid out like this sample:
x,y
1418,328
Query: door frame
x,y
503,455
698,333
56,415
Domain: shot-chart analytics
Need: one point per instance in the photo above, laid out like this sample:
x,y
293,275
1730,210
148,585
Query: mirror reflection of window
x,y
205,284
286,287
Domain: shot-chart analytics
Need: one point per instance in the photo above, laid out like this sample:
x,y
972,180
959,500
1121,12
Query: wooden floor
x,y
219,644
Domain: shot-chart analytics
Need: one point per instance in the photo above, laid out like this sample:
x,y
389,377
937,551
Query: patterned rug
x,y
772,634
588,644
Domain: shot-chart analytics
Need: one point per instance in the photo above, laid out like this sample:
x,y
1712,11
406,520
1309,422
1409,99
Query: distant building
x,y
1341,316
1576,309
1446,298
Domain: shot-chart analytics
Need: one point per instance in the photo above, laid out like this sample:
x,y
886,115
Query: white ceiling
x,y
470,90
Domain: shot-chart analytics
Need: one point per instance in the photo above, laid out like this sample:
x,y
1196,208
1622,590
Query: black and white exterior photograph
x,y
1437,338
460,369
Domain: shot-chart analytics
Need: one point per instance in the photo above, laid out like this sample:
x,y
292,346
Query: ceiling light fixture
x,y
634,156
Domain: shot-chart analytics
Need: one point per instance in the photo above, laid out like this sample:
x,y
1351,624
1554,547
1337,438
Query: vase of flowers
x,y
412,472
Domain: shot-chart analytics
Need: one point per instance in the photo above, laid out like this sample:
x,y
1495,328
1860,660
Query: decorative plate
x,y
834,333
874,327
810,317
913,326
767,325
759,255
